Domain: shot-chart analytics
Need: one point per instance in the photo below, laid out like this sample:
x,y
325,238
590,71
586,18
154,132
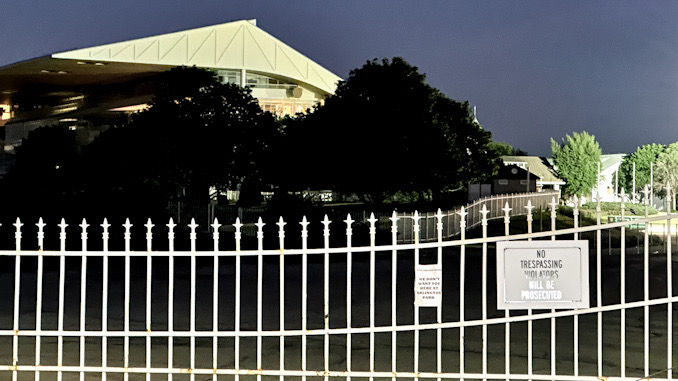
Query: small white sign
x,y
542,275
428,285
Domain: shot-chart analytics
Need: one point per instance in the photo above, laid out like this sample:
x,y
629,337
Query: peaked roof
x,y
608,161
537,165
234,45
513,171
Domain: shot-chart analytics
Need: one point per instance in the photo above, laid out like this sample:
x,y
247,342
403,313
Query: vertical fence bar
x,y
669,288
462,274
83,295
529,208
128,237
507,325
553,216
104,299
260,281
281,244
193,237
484,212
646,290
38,295
575,339
326,296
149,277
373,242
17,292
304,291
170,301
622,288
215,298
62,290
349,268
439,309
417,228
599,290
394,289
238,238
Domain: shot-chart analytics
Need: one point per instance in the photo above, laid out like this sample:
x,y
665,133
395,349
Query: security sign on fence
x,y
542,275
428,285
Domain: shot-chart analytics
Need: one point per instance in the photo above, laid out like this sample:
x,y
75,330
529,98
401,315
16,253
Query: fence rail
x,y
498,206
326,311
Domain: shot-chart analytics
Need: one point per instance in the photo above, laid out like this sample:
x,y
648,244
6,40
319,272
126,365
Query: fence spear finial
x,y
484,212
149,235
83,236
326,221
41,234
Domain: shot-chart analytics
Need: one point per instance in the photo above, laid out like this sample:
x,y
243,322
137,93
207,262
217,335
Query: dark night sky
x,y
535,69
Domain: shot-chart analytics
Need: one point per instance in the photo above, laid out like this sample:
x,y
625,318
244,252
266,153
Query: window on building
x,y
266,82
229,76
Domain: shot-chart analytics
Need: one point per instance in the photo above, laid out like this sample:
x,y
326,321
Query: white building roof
x,y
233,45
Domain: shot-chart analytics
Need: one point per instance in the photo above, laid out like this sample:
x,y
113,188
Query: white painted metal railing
x,y
495,204
330,311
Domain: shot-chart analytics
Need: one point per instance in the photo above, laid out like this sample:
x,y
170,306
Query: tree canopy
x,y
384,132
505,149
386,135
577,162
44,170
196,133
667,170
643,157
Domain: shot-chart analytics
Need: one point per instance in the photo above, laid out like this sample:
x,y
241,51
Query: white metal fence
x,y
499,206
325,312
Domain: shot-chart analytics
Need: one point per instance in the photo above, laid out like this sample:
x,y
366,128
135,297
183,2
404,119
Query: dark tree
x,y
196,133
505,149
643,157
42,176
386,132
577,161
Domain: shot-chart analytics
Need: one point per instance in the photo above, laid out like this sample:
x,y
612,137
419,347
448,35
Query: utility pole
x,y
616,183
634,182
651,185
597,183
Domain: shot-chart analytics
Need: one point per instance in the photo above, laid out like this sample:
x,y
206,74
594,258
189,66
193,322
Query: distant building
x,y
508,180
608,185
513,179
88,87
547,178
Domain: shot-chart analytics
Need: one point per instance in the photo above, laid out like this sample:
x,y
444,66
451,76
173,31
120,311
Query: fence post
x,y
462,274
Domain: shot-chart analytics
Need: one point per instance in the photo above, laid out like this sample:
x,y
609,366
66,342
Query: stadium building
x,y
89,89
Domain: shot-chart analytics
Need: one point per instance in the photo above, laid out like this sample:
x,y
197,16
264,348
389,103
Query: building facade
x,y
92,87
547,178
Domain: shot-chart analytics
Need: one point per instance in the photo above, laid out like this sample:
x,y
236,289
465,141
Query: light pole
x,y
634,182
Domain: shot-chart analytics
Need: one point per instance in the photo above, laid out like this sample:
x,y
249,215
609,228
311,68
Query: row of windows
x,y
285,107
253,80
505,182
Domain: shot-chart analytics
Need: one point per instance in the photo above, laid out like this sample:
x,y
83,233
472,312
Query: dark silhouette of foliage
x,y
196,133
385,131
43,171
505,149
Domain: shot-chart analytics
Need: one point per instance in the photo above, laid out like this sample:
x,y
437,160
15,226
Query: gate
x,y
334,311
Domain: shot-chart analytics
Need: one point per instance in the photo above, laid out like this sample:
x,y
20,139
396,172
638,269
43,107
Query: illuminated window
x,y
4,112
